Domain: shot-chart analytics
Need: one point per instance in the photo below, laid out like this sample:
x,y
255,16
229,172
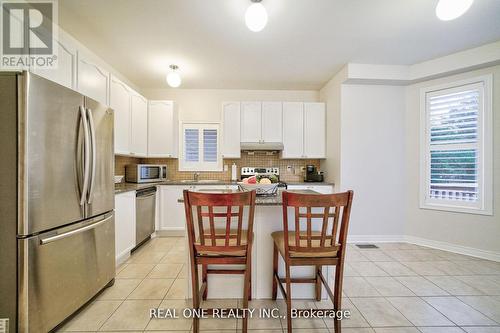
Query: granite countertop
x,y
275,200
127,187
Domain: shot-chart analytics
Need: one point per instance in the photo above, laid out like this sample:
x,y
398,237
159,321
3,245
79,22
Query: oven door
x,y
61,270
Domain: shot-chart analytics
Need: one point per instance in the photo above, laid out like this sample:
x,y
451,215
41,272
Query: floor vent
x,y
367,246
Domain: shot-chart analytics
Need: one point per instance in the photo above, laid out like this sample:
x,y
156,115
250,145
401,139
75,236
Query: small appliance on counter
x,y
145,173
313,175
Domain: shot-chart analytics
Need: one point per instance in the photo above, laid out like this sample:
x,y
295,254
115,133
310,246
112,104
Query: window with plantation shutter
x,y
456,147
200,147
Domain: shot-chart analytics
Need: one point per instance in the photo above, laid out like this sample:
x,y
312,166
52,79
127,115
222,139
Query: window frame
x,y
200,165
484,205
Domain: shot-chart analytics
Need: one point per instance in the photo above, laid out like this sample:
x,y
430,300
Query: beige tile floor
x,y
398,288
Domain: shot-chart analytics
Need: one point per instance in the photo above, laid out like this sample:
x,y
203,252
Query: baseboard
x,y
375,238
469,251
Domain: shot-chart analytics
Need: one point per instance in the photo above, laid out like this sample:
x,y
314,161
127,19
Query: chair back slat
x,y
212,224
218,228
315,235
240,224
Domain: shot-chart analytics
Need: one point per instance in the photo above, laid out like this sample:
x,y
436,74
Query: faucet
x,y
196,176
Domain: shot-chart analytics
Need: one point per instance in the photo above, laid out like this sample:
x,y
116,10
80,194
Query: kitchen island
x,y
268,218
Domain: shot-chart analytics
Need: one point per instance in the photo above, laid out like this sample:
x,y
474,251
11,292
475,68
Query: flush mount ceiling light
x,y
447,10
256,16
173,78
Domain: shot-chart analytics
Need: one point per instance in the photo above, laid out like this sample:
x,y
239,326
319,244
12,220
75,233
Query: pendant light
x,y
447,10
256,16
173,78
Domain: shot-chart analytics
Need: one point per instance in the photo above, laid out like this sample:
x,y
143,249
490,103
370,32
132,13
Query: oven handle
x,y
48,240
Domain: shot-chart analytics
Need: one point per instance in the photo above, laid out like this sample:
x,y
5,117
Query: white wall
x,y
330,94
445,228
205,104
372,159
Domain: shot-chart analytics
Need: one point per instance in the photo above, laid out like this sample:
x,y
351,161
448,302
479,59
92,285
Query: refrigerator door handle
x,y
94,155
73,232
86,158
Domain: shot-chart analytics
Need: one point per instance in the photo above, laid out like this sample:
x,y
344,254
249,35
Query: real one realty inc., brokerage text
x,y
266,313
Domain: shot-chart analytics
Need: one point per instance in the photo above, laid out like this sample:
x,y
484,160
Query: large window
x,y
200,147
456,170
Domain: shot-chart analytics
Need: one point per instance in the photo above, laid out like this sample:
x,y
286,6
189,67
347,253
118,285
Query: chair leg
x,y
246,296
250,277
318,283
275,271
196,296
337,295
204,278
288,298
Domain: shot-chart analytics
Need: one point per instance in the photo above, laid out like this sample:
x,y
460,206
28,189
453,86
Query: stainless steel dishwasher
x,y
145,204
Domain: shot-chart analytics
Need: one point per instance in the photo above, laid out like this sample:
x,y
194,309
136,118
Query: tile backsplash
x,y
259,159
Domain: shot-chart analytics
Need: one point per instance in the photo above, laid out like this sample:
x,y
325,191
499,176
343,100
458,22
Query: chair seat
x,y
279,240
221,241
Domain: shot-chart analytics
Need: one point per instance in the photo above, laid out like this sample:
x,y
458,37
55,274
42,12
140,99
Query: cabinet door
x,y
272,121
163,129
124,225
231,130
172,214
92,79
251,121
65,72
120,102
139,125
314,130
293,130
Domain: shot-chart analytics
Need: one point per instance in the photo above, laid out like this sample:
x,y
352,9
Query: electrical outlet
x,y
226,167
288,168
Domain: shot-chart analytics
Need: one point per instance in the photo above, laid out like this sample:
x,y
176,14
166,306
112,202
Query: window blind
x,y
210,145
191,145
453,144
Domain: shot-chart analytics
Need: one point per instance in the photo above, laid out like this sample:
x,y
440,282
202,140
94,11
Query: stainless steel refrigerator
x,y
56,201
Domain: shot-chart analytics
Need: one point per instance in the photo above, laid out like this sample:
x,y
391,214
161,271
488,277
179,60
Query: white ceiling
x,y
303,45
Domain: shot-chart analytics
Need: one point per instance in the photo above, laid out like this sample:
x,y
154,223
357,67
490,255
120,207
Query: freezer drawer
x,y
61,270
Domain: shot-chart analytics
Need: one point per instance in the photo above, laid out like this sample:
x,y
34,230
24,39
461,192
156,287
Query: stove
x,y
247,172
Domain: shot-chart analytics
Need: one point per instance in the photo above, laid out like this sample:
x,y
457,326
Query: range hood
x,y
261,146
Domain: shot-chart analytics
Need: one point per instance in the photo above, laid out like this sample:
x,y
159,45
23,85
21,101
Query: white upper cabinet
x,y
272,123
231,130
65,71
304,130
139,126
119,96
163,129
93,80
251,121
293,130
314,130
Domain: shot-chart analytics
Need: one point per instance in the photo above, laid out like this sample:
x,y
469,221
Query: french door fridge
x,y
57,201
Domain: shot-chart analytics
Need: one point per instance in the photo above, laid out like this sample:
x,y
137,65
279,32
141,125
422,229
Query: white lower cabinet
x,y
172,216
124,225
323,189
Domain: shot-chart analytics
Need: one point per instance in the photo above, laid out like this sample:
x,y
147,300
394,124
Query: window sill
x,y
457,209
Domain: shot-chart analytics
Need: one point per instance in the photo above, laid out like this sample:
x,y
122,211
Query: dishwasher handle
x,y
144,193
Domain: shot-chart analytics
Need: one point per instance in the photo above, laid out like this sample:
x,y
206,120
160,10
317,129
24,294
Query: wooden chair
x,y
210,245
306,246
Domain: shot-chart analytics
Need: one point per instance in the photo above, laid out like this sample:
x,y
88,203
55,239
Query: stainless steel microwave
x,y
145,173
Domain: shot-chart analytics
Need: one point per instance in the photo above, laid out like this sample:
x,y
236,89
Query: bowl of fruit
x,y
262,184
